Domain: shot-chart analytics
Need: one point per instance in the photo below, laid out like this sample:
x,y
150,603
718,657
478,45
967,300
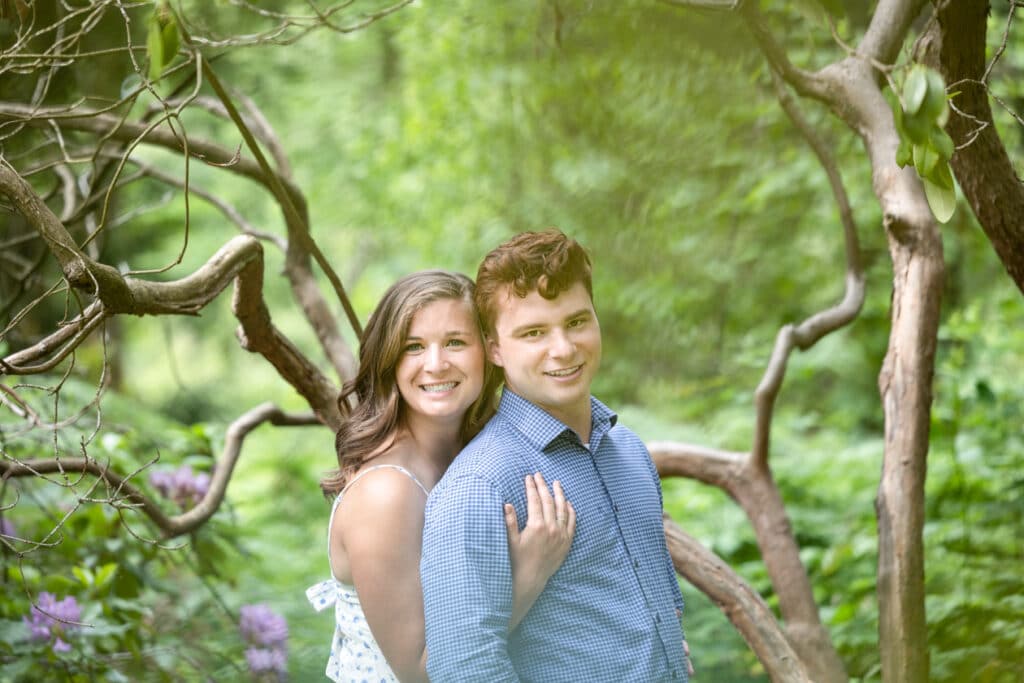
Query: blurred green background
x,y
652,135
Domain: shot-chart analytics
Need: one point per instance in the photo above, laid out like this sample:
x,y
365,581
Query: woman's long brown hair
x,y
370,403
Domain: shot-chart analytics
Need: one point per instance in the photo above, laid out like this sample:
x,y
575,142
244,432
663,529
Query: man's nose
x,y
561,344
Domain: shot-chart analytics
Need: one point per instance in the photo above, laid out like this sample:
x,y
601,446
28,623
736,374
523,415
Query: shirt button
x,y
636,564
615,509
674,675
657,618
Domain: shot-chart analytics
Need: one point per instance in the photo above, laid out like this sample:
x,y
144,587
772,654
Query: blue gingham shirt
x,y
610,613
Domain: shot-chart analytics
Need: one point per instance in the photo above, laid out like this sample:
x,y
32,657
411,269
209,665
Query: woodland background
x,y
650,132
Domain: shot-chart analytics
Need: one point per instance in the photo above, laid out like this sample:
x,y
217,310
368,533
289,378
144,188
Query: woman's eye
x,y
456,342
414,347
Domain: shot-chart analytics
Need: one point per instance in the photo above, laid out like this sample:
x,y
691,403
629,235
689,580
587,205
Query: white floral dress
x,y
355,655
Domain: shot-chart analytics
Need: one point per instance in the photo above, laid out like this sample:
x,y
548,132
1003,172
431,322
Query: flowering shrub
x,y
181,485
266,632
50,619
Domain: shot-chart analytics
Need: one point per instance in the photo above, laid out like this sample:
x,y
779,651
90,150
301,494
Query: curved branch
x,y
240,259
811,330
114,127
888,29
738,601
124,490
806,83
56,346
708,465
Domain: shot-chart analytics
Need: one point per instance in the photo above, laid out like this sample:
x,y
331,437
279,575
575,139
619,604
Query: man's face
x,y
550,350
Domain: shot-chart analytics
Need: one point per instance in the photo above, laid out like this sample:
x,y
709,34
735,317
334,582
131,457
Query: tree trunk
x,y
905,386
955,45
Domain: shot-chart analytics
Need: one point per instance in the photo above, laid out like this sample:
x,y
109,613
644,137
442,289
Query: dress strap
x,y
377,467
352,481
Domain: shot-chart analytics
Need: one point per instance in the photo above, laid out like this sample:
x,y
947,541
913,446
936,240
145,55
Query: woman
x,y
422,391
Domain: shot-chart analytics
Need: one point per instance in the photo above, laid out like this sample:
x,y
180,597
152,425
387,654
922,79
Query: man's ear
x,y
493,351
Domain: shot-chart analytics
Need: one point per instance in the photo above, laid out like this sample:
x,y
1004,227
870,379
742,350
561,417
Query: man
x,y
611,612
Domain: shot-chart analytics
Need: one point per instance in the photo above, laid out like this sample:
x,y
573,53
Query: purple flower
x,y
48,619
181,485
266,632
261,625
263,660
7,527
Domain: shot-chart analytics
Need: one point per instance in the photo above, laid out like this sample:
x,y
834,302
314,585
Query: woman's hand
x,y
541,547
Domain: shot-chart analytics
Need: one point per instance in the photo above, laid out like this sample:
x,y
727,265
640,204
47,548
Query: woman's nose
x,y
435,360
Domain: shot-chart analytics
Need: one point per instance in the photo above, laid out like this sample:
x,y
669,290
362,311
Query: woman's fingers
x,y
511,523
571,527
533,508
546,502
561,513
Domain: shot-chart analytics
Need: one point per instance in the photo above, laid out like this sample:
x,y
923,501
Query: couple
x,y
431,573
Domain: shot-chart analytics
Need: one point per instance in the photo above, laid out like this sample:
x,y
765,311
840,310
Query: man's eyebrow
x,y
583,312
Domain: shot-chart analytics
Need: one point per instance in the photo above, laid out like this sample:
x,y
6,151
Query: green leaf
x,y
916,128
169,35
155,49
935,99
915,89
941,200
904,153
925,159
941,176
84,575
941,142
105,574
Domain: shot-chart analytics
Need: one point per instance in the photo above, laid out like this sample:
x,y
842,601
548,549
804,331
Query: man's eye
x,y
578,322
532,333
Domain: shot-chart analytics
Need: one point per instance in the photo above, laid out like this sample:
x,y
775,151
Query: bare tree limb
x,y
708,465
888,29
806,83
55,347
741,604
124,491
240,259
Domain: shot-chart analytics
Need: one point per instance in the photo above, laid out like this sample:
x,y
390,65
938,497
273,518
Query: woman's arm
x,y
381,526
541,547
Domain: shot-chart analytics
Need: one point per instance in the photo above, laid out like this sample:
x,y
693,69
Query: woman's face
x,y
441,370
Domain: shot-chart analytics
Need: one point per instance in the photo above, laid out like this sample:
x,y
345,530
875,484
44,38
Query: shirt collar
x,y
541,429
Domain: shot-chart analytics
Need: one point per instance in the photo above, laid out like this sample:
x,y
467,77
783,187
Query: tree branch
x,y
806,83
888,29
738,601
811,330
708,465
124,490
955,45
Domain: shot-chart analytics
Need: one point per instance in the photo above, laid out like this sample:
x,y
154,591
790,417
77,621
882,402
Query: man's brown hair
x,y
549,262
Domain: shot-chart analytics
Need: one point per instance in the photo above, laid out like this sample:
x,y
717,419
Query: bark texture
x,y
955,45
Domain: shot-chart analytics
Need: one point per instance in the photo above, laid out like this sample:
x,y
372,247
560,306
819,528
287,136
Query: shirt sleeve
x,y
467,583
